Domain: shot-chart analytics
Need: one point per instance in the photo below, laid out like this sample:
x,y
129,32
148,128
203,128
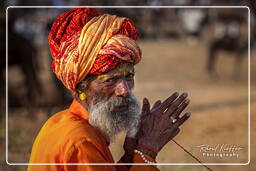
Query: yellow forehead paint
x,y
101,76
121,68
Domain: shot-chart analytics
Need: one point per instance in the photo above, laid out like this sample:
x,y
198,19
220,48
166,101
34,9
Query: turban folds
x,y
84,42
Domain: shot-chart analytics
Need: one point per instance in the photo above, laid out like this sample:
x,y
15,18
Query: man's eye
x,y
130,76
110,80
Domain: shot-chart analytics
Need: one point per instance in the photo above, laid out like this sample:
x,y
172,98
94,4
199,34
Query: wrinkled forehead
x,y
123,69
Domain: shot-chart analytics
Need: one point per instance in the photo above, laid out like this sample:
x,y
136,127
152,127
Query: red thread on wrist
x,y
148,148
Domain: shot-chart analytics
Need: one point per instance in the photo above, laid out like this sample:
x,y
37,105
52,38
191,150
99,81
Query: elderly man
x,y
94,56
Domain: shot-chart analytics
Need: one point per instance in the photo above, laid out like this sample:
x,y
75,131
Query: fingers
x,y
176,104
145,108
180,109
182,120
156,105
168,101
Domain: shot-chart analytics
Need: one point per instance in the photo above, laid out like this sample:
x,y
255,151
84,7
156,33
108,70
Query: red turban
x,y
83,42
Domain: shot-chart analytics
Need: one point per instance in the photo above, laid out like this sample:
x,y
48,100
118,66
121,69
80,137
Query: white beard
x,y
103,117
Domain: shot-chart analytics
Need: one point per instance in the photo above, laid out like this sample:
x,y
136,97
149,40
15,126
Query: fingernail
x,y
188,114
185,94
176,93
186,101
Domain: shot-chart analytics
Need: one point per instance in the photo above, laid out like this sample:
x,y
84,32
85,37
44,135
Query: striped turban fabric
x,y
84,42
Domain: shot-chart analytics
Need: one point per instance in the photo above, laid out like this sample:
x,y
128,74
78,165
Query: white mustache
x,y
122,101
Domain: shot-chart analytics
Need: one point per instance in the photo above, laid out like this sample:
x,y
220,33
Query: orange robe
x,y
67,137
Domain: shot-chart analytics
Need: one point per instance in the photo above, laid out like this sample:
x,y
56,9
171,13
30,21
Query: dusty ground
x,y
219,107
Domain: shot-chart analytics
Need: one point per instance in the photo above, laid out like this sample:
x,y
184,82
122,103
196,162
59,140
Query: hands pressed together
x,y
158,125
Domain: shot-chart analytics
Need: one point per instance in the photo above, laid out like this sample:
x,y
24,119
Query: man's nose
x,y
122,89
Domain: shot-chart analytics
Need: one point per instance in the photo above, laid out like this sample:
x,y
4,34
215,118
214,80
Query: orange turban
x,y
83,42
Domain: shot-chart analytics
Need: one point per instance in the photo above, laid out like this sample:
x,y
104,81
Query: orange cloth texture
x,y
82,42
67,137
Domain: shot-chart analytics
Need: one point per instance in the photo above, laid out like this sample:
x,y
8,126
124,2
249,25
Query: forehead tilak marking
x,y
101,76
122,69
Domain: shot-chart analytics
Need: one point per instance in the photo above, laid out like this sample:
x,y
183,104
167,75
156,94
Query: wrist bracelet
x,y
148,148
143,157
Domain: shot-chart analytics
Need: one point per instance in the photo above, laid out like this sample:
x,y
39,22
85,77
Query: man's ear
x,y
81,87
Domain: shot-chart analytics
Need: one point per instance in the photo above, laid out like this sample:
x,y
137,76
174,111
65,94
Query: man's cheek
x,y
98,98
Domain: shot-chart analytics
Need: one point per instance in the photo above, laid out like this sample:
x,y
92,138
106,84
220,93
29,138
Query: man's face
x,y
113,107
116,83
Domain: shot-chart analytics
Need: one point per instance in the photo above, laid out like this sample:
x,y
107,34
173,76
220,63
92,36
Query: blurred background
x,y
202,51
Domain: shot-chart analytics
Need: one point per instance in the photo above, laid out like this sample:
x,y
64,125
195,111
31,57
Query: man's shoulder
x,y
61,134
68,127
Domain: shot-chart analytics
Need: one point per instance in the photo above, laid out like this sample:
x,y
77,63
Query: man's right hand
x,y
157,127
